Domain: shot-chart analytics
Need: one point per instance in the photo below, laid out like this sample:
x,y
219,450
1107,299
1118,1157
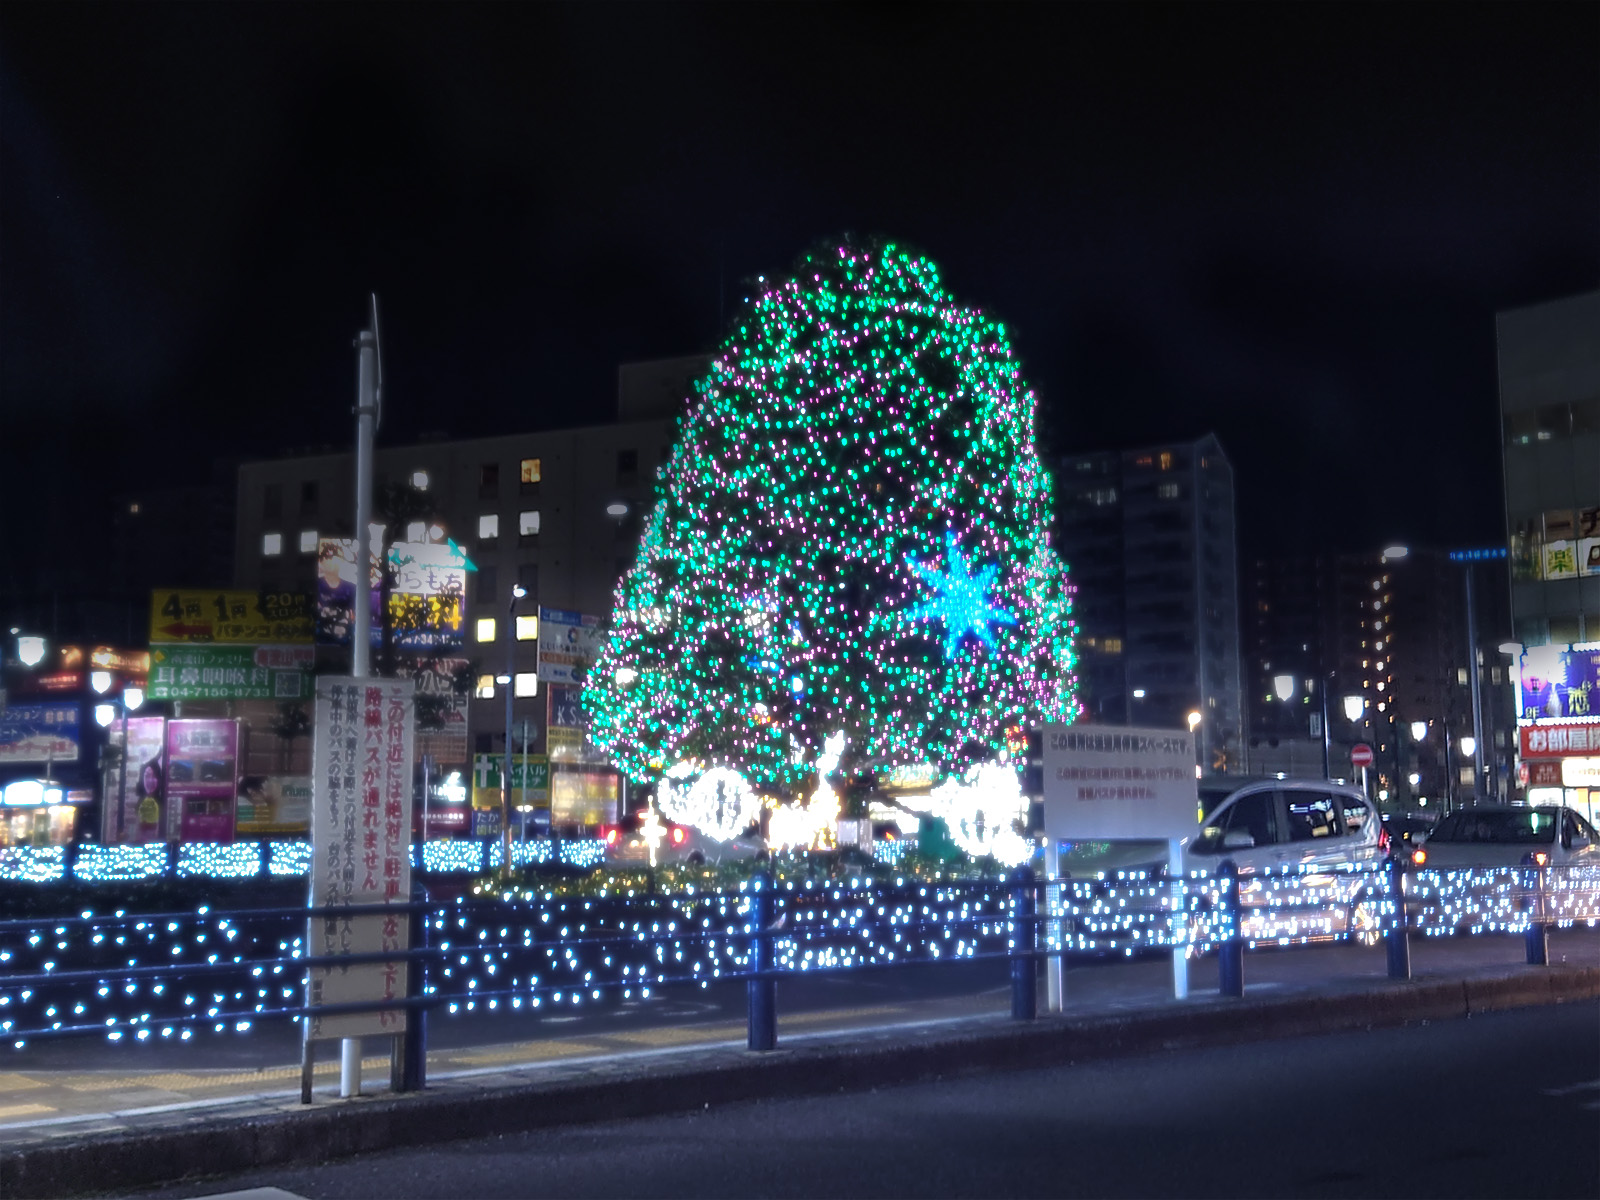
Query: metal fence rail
x,y
176,975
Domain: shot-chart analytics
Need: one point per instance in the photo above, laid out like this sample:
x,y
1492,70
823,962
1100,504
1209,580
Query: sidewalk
x,y
79,1131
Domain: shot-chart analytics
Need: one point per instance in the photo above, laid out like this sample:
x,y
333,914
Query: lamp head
x,y
1419,729
30,650
1354,707
100,681
1283,686
104,714
1469,745
132,698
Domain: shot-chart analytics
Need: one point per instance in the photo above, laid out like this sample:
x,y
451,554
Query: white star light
x,y
963,601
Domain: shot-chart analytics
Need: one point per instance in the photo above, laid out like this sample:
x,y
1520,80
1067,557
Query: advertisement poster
x,y
530,779
436,690
1557,682
360,848
226,672
137,818
1560,741
427,593
273,804
568,643
245,618
202,778
585,798
39,733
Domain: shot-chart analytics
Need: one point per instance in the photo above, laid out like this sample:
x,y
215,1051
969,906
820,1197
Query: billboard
x,y
435,682
583,797
39,733
530,778
243,618
1558,682
1560,741
1105,782
227,672
427,593
361,848
563,733
568,643
141,784
273,804
202,778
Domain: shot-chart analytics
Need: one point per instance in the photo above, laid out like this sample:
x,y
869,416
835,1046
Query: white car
x,y
1510,835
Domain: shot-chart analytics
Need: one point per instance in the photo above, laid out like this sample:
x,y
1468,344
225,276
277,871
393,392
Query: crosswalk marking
x,y
11,1082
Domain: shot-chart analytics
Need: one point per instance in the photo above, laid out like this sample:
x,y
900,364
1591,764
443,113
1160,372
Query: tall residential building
x,y
1549,360
1149,538
1390,631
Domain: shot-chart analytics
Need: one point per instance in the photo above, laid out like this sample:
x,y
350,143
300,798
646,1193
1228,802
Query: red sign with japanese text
x,y
1561,741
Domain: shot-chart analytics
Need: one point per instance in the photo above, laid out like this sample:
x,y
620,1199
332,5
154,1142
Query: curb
x,y
213,1145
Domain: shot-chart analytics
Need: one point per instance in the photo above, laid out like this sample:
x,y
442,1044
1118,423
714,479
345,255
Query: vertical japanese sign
x,y
202,779
360,849
563,731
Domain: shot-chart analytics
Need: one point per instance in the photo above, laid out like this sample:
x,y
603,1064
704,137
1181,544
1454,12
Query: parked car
x,y
1311,826
1510,835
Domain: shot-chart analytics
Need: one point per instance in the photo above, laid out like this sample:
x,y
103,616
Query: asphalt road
x,y
1501,1105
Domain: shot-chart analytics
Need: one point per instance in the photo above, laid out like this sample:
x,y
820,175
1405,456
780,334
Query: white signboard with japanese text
x,y
568,643
361,849
1107,783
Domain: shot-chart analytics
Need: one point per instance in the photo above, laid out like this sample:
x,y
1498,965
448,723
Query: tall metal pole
x,y
122,785
361,635
1477,698
1327,770
522,799
511,680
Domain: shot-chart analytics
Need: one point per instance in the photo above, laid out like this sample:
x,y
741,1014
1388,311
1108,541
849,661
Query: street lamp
x,y
1355,708
517,593
1283,686
1469,745
1419,730
132,699
1395,553
30,649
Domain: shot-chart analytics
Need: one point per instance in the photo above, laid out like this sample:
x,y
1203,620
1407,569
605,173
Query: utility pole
x,y
1477,697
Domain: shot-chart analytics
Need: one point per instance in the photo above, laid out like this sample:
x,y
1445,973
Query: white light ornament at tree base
x,y
984,808
814,825
653,832
720,804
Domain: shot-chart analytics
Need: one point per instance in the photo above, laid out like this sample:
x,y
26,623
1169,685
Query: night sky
x,y
1289,224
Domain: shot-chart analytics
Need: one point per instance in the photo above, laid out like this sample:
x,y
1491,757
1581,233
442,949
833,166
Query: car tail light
x,y
1419,857
1384,841
677,836
1536,858
613,836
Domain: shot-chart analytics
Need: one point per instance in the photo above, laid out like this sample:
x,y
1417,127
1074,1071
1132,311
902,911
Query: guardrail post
x,y
1397,942
1538,935
762,988
1024,963
1230,955
414,1068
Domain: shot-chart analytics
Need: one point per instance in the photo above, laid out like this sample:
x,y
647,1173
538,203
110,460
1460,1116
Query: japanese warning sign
x,y
361,849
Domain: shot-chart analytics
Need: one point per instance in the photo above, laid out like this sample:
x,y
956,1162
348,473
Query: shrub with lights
x,y
847,568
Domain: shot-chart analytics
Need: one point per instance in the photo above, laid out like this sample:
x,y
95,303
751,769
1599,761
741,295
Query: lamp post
x,y
517,593
1194,724
1355,707
131,700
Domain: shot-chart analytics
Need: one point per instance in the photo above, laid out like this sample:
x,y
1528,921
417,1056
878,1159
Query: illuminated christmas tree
x,y
851,536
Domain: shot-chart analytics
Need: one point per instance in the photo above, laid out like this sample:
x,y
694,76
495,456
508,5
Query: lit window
x,y
486,629
1113,645
488,526
1461,676
308,541
530,470
1167,491
485,687
271,545
527,684
134,507
416,531
419,480
1166,460
527,628
528,523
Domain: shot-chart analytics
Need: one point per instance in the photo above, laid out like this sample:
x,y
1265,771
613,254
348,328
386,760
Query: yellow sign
x,y
248,618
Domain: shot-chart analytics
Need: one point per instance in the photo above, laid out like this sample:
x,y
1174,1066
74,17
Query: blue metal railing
x,y
174,975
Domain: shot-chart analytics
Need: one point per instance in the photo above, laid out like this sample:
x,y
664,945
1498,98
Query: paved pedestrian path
x,y
50,1103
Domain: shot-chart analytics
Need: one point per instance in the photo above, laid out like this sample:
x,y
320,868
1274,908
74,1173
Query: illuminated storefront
x,y
1558,726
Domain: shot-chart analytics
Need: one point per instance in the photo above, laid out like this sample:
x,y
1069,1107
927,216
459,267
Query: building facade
x,y
1149,537
1549,366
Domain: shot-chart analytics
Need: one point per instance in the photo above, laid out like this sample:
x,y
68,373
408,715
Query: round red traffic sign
x,y
1361,755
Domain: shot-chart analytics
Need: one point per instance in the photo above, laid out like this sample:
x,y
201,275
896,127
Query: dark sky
x,y
1290,224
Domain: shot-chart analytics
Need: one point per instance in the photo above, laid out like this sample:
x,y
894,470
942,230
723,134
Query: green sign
x,y
223,672
530,776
